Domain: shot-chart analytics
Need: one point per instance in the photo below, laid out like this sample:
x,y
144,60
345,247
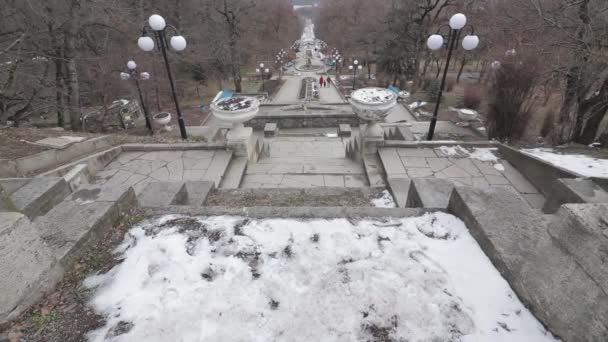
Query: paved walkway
x,y
305,162
428,162
290,91
330,95
137,169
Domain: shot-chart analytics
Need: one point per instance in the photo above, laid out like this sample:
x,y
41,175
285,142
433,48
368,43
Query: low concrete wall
x,y
434,144
45,160
172,147
304,120
94,163
291,212
541,174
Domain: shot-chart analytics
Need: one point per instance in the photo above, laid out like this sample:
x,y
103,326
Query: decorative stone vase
x,y
467,114
163,119
236,110
373,105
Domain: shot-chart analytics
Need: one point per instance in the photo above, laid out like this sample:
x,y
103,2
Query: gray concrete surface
x,y
430,193
27,265
291,212
400,189
198,192
582,230
464,171
40,195
79,219
158,194
138,169
574,190
45,160
299,162
546,277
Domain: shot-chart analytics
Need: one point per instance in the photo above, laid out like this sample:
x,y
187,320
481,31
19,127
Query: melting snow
x,y
384,201
232,279
584,165
481,154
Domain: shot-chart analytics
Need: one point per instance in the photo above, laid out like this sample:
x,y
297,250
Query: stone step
x,y
27,265
198,192
374,170
40,195
547,277
82,216
430,193
234,175
400,189
160,194
219,165
392,162
574,190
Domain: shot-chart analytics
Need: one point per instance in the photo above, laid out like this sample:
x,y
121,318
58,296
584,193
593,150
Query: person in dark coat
x,y
321,82
328,81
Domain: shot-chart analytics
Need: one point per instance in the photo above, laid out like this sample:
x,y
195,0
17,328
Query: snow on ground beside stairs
x,y
232,279
583,165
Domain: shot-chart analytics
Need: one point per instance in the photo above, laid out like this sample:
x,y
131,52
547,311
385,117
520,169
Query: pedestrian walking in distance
x,y
321,81
328,81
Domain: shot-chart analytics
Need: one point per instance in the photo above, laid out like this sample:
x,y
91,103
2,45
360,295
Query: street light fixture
x,y
354,68
457,23
261,71
136,76
159,28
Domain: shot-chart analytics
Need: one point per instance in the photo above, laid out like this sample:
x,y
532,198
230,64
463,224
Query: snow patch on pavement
x,y
582,164
235,279
384,201
479,153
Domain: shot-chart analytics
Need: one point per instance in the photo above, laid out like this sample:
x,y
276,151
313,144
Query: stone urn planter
x,y
467,114
373,105
163,119
237,110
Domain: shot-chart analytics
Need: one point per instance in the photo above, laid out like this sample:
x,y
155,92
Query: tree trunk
x,y
462,64
60,107
72,69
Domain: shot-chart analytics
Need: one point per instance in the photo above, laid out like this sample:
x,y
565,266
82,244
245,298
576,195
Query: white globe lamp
x,y
124,76
470,42
178,43
458,21
435,42
145,76
157,23
131,65
145,43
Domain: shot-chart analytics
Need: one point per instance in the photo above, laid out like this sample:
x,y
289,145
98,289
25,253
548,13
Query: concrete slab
x,y
545,276
518,181
198,192
574,190
234,175
400,189
158,194
39,195
582,230
10,185
391,161
430,193
59,143
271,130
27,265
218,167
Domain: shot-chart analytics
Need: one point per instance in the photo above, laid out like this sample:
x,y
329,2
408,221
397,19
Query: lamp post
x,y
132,73
354,68
159,29
458,22
280,61
261,71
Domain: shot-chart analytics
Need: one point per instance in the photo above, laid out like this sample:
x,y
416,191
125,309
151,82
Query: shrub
x,y
450,84
509,106
472,98
548,124
432,91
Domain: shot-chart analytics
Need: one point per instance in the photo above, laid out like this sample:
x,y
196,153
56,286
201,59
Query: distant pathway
x,y
290,91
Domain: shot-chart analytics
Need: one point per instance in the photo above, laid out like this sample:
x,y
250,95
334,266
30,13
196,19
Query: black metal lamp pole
x,y
132,73
158,25
458,22
160,35
451,40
